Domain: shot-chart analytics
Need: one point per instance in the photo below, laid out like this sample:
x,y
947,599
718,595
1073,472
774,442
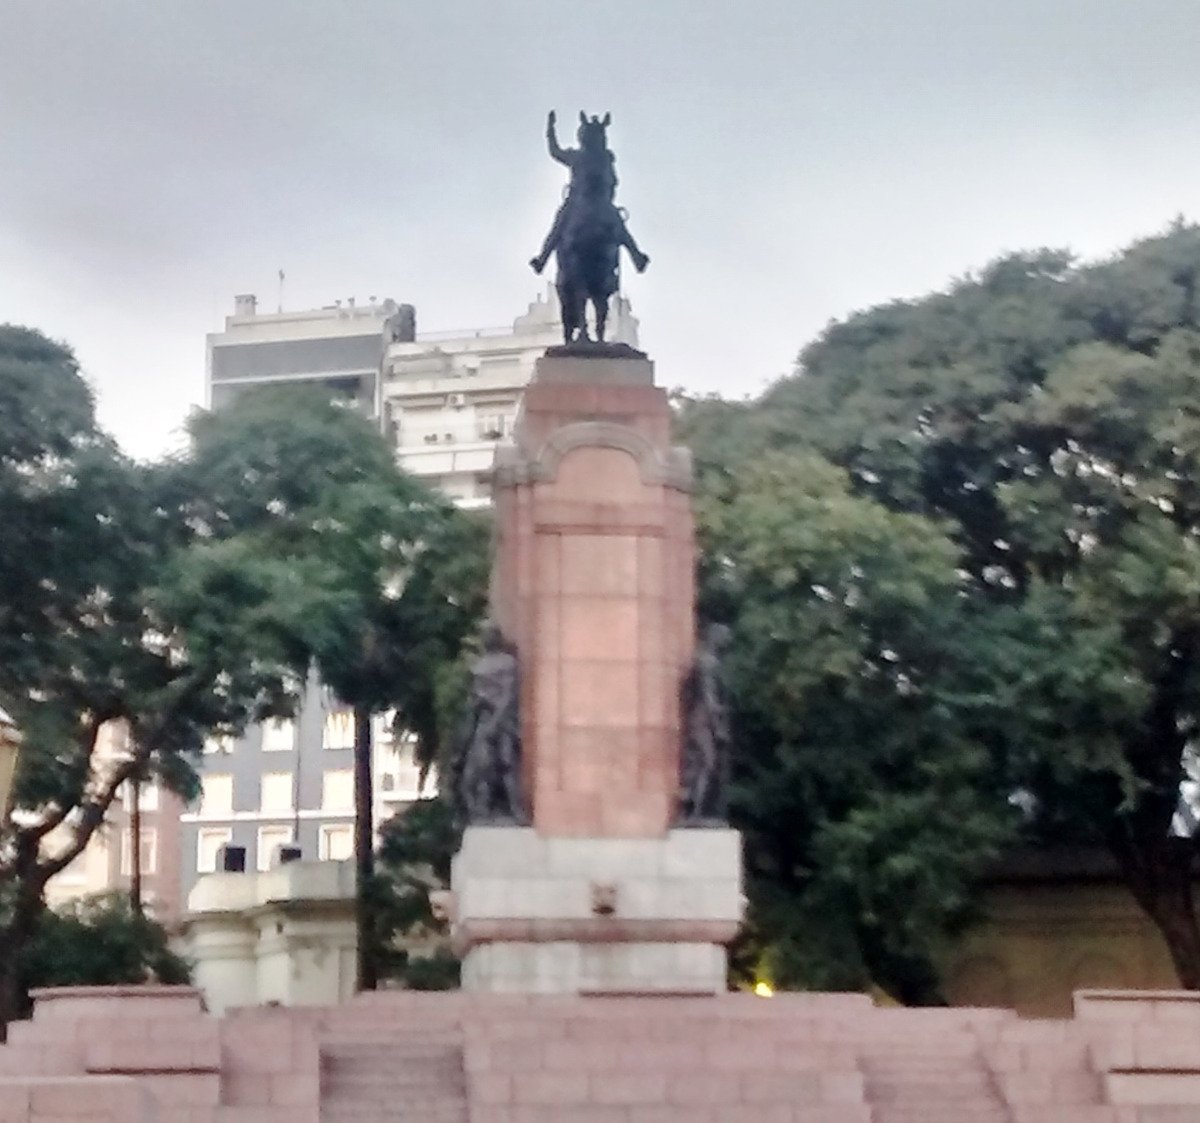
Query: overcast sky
x,y
783,161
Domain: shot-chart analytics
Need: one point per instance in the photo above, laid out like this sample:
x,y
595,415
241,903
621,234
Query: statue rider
x,y
593,181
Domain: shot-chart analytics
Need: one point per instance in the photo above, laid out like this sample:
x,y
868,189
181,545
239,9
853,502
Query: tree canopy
x,y
189,597
389,577
863,783
1043,416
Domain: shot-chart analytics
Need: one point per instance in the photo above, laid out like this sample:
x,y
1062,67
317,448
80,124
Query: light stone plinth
x,y
539,915
287,936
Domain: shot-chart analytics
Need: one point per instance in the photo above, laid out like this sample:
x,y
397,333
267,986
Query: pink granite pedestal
x,y
593,581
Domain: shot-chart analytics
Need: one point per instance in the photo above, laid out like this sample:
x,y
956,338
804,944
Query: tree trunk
x,y
27,906
135,846
1159,873
1159,867
1176,920
364,848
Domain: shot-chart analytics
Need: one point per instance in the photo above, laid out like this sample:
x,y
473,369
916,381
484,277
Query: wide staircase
x,y
943,1080
151,1055
376,1067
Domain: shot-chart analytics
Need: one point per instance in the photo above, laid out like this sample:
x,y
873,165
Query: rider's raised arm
x,y
557,152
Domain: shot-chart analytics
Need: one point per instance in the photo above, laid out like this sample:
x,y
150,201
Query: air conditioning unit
x,y
456,401
231,859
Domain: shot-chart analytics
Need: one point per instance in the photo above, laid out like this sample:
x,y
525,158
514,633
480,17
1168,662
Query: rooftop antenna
x,y
280,290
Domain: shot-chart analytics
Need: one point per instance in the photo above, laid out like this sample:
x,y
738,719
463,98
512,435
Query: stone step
x,y
411,1054
923,1093
396,1114
407,1073
430,1100
934,1112
1095,1113
404,1073
360,1091
393,1039
372,1084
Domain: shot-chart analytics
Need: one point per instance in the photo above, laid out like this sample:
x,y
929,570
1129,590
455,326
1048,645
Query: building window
x,y
216,794
337,790
222,744
270,840
276,791
278,735
339,728
149,850
335,843
492,427
209,841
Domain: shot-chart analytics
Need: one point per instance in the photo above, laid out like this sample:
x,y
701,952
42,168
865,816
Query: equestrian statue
x,y
588,231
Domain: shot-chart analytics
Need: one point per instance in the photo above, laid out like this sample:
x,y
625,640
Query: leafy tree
x,y
394,576
112,613
1045,412
99,941
863,782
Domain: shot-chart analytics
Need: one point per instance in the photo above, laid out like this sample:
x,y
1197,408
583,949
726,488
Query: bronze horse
x,y
588,231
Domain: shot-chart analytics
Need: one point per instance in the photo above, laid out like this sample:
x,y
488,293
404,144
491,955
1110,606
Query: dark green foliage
x,y
862,783
386,576
1044,415
192,597
99,941
415,850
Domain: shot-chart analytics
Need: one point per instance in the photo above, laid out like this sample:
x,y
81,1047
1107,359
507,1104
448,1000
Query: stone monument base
x,y
538,915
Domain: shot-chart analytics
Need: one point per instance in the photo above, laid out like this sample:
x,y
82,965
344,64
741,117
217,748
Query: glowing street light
x,y
10,747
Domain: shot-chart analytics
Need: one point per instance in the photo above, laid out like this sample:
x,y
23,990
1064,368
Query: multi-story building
x,y
290,782
446,400
339,347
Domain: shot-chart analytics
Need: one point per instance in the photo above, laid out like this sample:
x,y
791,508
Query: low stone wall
x,y
152,1054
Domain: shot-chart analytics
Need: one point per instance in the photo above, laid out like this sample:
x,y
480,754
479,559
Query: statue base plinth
x,y
537,915
590,349
594,584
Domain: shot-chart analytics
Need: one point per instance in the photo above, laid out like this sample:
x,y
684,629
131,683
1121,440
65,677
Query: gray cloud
x,y
783,162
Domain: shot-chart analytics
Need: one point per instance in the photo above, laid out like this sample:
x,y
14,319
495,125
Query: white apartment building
x,y
443,399
447,399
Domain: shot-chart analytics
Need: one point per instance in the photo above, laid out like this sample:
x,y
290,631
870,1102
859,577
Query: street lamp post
x,y
10,747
